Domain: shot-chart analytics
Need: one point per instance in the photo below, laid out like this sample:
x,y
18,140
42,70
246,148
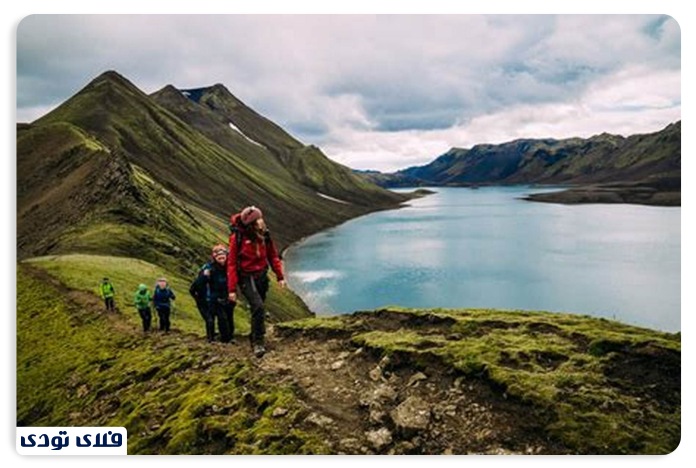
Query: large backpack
x,y
107,289
199,286
162,295
238,230
142,301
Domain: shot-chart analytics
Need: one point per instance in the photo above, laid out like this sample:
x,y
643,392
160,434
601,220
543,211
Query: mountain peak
x,y
219,87
218,90
170,91
111,77
98,101
111,74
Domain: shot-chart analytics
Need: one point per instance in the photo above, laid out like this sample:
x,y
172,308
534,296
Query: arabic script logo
x,y
72,441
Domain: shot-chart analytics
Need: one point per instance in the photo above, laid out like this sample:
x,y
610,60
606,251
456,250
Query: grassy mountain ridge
x,y
164,152
306,164
229,108
81,180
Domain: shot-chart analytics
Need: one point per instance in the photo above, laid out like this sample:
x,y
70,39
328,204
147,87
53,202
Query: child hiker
x,y
142,303
107,291
162,298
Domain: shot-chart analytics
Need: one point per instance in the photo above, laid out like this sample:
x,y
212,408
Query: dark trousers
x,y
223,312
146,317
163,312
255,289
109,303
208,318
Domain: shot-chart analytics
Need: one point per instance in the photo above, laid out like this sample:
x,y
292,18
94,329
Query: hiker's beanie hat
x,y
250,214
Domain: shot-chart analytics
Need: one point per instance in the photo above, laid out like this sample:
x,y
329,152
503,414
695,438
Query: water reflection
x,y
487,248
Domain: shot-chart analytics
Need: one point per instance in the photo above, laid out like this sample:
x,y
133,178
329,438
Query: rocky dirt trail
x,y
364,402
361,402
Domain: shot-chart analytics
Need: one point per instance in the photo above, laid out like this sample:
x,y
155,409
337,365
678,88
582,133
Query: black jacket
x,y
211,283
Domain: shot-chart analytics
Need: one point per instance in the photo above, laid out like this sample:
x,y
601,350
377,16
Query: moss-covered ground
x,y
174,393
545,382
608,387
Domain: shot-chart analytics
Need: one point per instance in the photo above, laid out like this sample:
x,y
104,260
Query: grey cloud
x,y
320,75
531,69
309,131
423,120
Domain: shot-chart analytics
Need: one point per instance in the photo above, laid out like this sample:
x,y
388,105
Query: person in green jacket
x,y
107,293
142,303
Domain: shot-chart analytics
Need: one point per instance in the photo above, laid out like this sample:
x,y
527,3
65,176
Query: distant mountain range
x,y
115,171
605,168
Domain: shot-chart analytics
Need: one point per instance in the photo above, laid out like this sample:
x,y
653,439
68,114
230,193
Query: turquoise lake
x,y
486,248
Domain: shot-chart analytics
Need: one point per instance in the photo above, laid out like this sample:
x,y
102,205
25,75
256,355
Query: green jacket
x,y
107,290
142,299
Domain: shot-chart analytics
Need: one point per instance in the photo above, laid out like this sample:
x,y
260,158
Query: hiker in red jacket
x,y
251,253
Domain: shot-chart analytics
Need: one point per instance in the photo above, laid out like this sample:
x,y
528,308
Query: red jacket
x,y
255,255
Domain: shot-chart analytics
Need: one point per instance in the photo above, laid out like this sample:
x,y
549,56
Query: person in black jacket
x,y
199,292
210,291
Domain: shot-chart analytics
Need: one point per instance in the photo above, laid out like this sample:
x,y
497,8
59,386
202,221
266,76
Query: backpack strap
x,y
234,229
238,236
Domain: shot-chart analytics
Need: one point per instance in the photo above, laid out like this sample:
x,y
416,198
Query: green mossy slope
x,y
174,394
120,147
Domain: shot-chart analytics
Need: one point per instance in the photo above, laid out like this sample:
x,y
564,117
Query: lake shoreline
x,y
660,192
633,195
467,244
417,193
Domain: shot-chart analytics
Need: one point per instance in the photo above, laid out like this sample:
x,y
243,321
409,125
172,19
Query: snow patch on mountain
x,y
333,199
250,140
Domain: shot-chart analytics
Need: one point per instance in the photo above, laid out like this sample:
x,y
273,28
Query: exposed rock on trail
x,y
480,381
383,405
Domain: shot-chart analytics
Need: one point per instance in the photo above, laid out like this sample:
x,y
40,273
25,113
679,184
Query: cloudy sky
x,y
379,92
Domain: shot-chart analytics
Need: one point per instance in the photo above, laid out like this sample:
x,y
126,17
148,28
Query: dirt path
x,y
362,402
367,403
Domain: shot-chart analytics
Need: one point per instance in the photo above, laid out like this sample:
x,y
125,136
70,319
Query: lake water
x,y
463,248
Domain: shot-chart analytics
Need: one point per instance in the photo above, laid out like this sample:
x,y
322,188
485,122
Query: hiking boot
x,y
259,350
